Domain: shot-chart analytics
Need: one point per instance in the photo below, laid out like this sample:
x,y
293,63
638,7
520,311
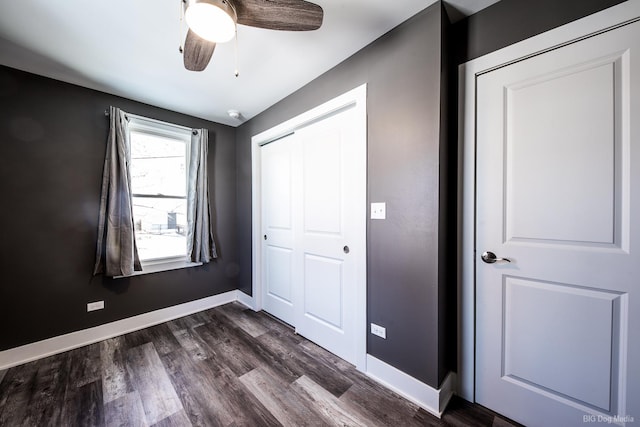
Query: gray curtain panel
x,y
200,243
117,253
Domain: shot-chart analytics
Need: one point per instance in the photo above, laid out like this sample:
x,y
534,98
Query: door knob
x,y
490,258
345,249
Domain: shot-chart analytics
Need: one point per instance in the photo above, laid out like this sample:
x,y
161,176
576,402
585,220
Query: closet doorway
x,y
310,262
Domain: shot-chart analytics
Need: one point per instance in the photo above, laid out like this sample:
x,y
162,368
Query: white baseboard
x,y
246,300
37,350
430,399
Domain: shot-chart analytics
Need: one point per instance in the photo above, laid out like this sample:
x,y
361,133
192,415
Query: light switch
x,y
378,210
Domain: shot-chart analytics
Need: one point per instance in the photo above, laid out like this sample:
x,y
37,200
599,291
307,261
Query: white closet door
x,y
332,201
278,216
314,202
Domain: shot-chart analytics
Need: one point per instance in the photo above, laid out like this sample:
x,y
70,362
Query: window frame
x,y
145,125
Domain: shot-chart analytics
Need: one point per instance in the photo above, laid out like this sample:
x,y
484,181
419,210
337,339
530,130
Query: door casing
x,y
468,73
356,99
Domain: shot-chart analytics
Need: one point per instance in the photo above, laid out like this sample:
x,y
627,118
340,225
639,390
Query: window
x,y
162,190
159,173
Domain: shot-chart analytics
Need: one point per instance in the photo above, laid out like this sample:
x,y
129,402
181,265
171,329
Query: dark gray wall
x,y
409,166
52,147
510,21
403,71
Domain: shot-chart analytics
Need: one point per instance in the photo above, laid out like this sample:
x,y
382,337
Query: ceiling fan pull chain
x,y
181,24
237,73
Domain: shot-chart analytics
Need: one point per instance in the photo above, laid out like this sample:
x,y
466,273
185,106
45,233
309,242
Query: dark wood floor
x,y
227,366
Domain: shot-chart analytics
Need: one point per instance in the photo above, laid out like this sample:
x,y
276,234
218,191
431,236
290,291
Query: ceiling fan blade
x,y
197,52
289,15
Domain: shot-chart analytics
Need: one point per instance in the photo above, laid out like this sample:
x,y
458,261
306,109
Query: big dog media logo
x,y
607,419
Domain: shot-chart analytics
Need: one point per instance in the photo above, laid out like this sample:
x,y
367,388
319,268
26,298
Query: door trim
x,y
468,73
357,99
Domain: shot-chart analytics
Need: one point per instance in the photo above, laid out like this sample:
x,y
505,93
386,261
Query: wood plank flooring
x,y
227,366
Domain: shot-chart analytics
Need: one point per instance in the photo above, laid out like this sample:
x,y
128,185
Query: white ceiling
x,y
130,48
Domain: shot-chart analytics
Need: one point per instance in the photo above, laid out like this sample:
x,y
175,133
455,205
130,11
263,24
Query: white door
x,y
558,194
319,192
278,169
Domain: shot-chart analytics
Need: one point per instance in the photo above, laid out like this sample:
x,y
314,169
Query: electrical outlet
x,y
379,331
93,306
378,210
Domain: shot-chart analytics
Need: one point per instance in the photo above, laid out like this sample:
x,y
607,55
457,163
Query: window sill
x,y
159,265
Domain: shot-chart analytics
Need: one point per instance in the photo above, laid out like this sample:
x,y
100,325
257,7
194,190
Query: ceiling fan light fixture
x,y
213,20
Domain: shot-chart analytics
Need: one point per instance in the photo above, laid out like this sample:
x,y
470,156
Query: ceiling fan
x,y
214,21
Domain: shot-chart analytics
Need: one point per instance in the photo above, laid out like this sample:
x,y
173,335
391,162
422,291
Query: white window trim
x,y
158,127
162,264
168,130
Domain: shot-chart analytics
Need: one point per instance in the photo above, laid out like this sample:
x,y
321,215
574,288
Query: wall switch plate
x,y
379,331
378,210
93,306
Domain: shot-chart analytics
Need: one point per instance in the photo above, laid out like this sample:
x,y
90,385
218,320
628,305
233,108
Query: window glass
x,y
159,187
158,165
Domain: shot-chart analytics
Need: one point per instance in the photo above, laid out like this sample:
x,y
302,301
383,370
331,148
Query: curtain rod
x,y
148,119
